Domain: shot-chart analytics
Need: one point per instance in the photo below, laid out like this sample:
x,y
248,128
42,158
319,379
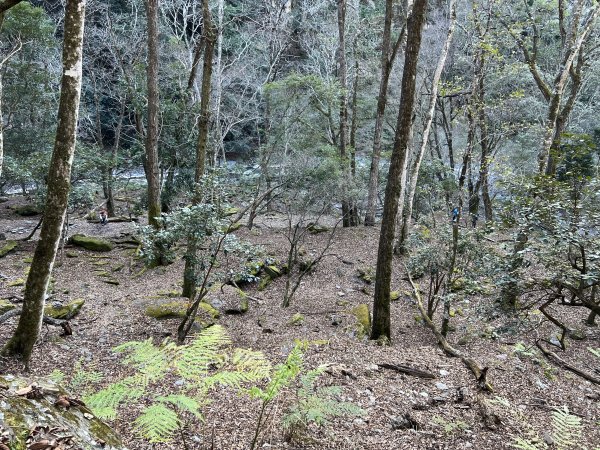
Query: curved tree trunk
x,y
381,304
59,183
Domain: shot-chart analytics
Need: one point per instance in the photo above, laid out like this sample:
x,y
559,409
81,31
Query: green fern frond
x,y
184,403
252,363
193,361
157,423
524,444
595,351
104,403
566,428
147,358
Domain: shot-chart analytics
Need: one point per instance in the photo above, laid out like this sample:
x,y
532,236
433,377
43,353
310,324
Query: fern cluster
x,y
566,433
316,404
202,364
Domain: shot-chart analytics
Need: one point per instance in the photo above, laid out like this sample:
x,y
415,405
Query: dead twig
x,y
472,365
408,370
565,365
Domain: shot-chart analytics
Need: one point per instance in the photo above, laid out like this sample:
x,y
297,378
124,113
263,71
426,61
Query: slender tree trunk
x,y
1,124
342,74
59,183
152,164
388,56
210,37
414,176
381,305
354,217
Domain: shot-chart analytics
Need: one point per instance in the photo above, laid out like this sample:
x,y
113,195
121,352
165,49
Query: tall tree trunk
x,y
152,164
342,74
59,183
210,37
381,304
388,56
414,176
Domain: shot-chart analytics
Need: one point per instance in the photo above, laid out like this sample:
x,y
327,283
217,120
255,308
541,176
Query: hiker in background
x,y
455,214
103,216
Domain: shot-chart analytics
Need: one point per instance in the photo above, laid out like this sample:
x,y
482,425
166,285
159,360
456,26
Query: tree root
x,y
472,365
64,324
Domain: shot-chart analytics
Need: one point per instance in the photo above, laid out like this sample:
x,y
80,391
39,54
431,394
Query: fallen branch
x,y
472,365
64,324
408,370
35,229
565,365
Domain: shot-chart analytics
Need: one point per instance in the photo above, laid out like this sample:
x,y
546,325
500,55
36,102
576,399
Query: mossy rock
x,y
17,282
264,283
91,243
213,312
231,212
395,295
7,248
6,306
273,271
176,309
315,228
367,274
229,299
363,319
27,210
234,227
458,284
65,312
26,422
296,320
28,260
255,267
72,254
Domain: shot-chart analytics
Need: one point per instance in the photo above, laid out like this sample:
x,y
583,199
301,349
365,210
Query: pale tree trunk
x,y
209,38
381,304
152,164
59,183
388,56
414,175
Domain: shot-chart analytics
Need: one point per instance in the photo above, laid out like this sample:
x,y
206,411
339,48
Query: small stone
x,y
540,385
424,394
554,341
441,386
502,356
341,294
180,382
444,373
548,439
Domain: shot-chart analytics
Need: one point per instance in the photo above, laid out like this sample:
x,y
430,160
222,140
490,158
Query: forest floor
x,y
442,413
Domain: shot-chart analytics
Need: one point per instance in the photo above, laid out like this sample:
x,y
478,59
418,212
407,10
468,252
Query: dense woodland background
x,y
417,170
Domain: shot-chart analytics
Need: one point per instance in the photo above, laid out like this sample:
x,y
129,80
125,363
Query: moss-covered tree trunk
x,y
59,183
381,305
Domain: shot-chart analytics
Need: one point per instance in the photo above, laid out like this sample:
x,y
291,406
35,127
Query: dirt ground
x,y
445,412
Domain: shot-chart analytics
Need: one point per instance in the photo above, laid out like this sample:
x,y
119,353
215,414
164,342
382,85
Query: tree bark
x,y
414,176
59,183
388,56
152,163
342,73
381,305
209,38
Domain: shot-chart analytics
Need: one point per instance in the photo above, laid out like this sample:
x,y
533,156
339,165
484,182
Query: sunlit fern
x,y
205,362
566,433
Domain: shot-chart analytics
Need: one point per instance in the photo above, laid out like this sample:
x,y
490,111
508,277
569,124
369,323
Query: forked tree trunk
x,y
59,183
152,164
381,305
414,176
388,56
209,38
